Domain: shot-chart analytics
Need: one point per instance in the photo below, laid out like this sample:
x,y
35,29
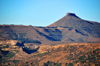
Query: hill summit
x,y
71,14
72,20
74,28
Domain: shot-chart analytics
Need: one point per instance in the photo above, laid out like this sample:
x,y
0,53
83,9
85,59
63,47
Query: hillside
x,y
73,21
73,29
74,54
23,33
71,41
70,28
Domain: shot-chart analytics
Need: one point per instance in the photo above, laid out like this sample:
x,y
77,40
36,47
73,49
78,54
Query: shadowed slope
x,y
69,28
74,28
22,33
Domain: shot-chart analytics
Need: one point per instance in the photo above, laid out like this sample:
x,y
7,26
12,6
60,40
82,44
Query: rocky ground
x,y
69,54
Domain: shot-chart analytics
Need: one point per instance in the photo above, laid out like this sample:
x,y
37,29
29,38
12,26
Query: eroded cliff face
x,y
8,45
50,48
13,50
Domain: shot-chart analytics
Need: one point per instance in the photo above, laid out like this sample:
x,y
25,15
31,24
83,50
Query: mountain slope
x,y
19,32
74,28
70,28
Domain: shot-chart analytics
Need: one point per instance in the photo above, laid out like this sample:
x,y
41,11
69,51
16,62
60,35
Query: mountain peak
x,y
72,14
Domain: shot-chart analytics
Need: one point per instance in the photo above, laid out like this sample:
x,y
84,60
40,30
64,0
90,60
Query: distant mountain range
x,y
70,28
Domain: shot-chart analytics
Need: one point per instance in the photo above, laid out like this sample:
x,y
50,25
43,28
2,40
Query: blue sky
x,y
46,12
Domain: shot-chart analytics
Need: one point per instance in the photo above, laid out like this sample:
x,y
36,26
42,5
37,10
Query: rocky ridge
x,y
70,28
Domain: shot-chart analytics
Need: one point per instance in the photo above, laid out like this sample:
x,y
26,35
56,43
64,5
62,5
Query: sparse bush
x,y
10,55
70,64
81,58
7,46
76,61
50,63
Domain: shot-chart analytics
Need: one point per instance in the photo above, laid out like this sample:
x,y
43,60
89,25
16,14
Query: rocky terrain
x,y
74,54
71,41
